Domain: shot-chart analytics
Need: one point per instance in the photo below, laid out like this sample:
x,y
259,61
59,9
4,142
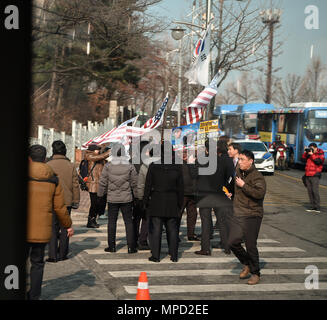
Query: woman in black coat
x,y
163,198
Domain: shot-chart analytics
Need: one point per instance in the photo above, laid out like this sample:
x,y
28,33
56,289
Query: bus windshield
x,y
316,128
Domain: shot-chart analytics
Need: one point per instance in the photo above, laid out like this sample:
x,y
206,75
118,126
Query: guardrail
x,y
80,134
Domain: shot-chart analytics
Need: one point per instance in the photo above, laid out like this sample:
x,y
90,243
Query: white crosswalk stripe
x,y
204,272
198,247
283,267
225,287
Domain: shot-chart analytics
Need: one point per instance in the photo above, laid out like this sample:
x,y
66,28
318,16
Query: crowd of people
x,y
152,197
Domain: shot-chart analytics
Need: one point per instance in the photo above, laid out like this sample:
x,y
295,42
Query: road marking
x,y
196,248
94,242
226,287
296,179
205,272
211,260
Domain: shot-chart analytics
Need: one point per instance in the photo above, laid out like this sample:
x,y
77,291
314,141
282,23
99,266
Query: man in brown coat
x,y
250,190
66,172
96,162
45,195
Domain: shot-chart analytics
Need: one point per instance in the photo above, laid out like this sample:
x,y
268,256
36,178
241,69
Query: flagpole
x,y
179,83
208,18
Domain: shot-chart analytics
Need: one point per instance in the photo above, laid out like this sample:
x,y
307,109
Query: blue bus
x,y
240,119
297,125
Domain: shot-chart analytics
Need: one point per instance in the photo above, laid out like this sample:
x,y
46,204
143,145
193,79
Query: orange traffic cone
x,y
143,288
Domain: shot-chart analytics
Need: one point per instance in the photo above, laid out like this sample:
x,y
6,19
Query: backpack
x,y
84,168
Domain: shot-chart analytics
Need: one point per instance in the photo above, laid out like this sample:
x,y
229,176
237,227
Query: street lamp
x,y
270,17
178,34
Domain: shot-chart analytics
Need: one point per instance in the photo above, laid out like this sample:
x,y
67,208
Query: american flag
x,y
158,118
195,110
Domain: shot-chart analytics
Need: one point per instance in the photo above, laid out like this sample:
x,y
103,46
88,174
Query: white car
x,y
263,159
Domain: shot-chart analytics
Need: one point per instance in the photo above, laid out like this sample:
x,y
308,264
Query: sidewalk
x,y
73,279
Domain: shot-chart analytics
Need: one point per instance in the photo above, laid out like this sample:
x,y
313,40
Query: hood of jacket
x,y
40,171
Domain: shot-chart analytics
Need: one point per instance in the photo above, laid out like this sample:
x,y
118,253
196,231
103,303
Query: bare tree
x,y
314,85
288,91
243,89
118,33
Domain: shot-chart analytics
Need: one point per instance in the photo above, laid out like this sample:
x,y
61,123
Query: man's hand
x,y
240,182
191,159
70,232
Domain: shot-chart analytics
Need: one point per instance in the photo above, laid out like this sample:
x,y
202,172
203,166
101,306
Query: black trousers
x,y
141,234
313,191
98,205
155,235
206,228
246,228
36,255
127,212
224,215
59,239
191,215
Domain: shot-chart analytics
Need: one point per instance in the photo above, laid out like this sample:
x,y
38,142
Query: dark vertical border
x,y
15,54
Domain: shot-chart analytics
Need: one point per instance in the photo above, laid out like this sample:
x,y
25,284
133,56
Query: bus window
x,y
290,123
250,122
281,123
265,122
316,129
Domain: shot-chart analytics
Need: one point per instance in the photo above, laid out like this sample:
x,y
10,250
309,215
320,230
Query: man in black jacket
x,y
189,200
210,192
250,190
163,198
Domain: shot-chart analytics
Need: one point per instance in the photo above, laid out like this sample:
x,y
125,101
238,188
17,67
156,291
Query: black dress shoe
x,y
227,251
132,250
113,249
173,259
203,253
51,260
193,238
153,259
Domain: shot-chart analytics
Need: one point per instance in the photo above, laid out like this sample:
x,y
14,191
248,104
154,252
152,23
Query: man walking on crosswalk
x,y
250,190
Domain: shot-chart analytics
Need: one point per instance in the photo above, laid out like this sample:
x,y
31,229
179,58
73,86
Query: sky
x,y
296,37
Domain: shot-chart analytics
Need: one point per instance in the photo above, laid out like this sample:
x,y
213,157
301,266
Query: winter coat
x,y
248,200
94,177
164,190
142,177
118,180
189,182
66,172
44,195
209,188
314,163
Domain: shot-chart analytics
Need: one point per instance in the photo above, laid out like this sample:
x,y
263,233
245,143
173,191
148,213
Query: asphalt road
x,y
290,240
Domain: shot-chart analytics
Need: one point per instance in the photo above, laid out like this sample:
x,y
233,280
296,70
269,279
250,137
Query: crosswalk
x,y
199,277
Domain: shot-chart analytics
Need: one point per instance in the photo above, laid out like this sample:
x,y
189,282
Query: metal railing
x,y
80,134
